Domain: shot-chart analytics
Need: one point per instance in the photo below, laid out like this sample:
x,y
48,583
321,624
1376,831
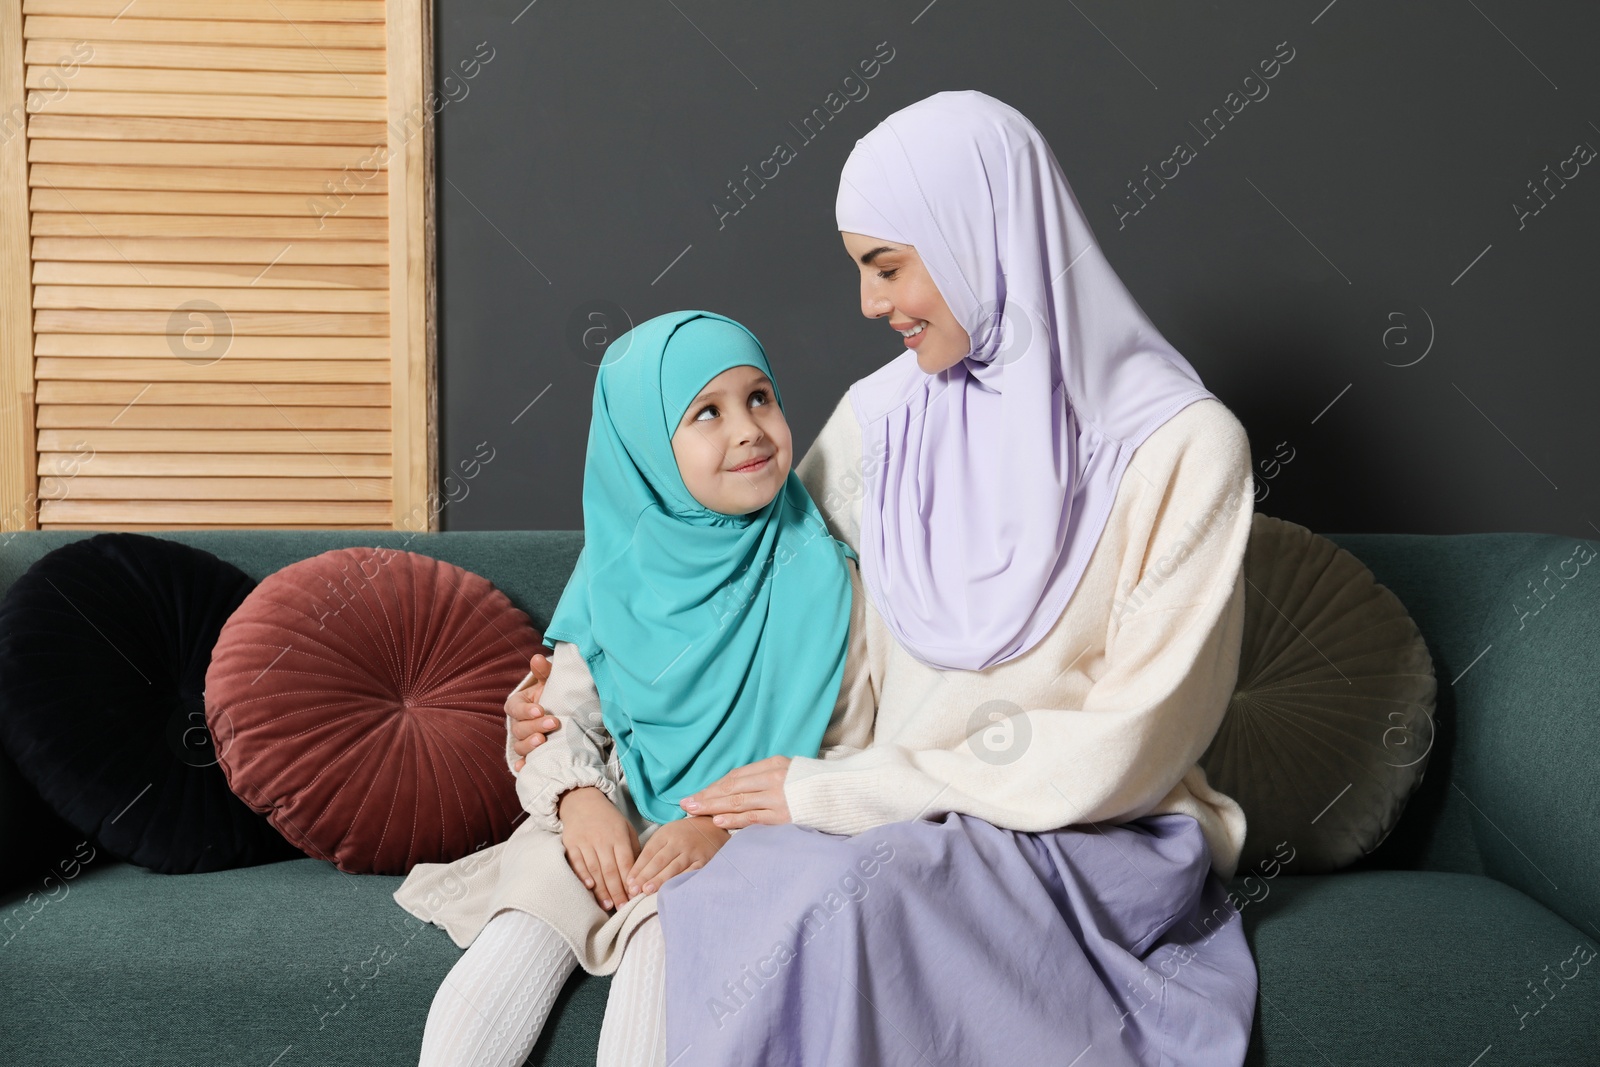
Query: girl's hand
x,y
749,794
529,723
600,843
680,845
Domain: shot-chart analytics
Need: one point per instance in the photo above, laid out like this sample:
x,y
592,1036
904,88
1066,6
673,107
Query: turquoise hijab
x,y
714,640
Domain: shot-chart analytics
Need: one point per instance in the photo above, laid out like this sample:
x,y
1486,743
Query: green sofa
x,y
1434,949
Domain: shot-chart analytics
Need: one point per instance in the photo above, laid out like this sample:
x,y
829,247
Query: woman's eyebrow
x,y
868,257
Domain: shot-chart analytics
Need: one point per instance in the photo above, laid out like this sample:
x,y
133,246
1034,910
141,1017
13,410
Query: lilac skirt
x,y
956,942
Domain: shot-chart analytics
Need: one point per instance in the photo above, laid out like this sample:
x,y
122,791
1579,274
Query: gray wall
x,y
1355,261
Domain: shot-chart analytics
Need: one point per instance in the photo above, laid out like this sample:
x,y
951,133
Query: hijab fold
x,y
1000,472
714,640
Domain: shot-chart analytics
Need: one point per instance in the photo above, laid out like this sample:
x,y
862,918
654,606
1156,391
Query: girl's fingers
x,y
677,866
651,871
624,863
611,878
597,882
581,867
646,857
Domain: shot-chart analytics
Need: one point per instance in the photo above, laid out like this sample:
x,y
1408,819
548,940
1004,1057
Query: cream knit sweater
x,y
1104,719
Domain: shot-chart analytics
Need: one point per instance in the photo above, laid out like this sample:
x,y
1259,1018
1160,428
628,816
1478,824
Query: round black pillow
x,y
104,645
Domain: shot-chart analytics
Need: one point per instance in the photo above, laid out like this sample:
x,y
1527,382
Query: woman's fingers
x,y
738,786
743,803
740,819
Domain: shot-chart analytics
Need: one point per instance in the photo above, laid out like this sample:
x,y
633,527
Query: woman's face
x,y
895,284
732,444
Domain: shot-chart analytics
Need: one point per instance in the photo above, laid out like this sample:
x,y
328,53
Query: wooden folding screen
x,y
216,264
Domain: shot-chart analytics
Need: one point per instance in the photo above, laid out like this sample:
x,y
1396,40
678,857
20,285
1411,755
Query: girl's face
x,y
896,284
732,444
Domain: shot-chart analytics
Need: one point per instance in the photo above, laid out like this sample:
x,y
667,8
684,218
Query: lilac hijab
x,y
997,474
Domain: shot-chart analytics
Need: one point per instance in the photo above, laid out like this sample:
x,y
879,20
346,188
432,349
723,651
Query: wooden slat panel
x,y
281,323
227,154
224,370
365,161
293,35
231,300
351,61
217,465
214,440
143,416
158,393
84,487
209,249
307,228
257,10
247,131
158,527
153,348
362,205
311,182
336,108
97,77
252,512
278,276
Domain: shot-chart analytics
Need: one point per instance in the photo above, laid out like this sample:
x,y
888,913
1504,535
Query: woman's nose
x,y
872,305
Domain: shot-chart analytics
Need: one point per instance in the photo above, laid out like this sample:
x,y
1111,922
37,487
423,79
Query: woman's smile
x,y
759,463
912,333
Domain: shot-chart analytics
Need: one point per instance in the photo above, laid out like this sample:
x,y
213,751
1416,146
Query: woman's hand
x,y
600,843
529,723
749,794
680,845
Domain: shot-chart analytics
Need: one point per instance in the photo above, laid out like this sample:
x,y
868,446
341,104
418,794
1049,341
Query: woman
x,y
1052,644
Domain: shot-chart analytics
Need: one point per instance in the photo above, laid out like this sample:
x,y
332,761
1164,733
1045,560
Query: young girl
x,y
711,621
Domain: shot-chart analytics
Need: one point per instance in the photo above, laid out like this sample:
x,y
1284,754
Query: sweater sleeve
x,y
831,470
579,753
850,729
1169,667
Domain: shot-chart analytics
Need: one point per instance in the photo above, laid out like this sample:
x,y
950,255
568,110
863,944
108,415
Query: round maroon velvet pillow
x,y
357,700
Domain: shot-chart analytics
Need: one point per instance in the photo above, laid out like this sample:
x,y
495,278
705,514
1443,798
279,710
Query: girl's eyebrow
x,y
868,257
709,394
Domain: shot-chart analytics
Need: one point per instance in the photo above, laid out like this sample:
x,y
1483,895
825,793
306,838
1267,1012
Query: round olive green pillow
x,y
1331,722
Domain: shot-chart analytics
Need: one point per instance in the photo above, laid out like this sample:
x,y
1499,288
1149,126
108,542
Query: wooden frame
x,y
19,505
413,323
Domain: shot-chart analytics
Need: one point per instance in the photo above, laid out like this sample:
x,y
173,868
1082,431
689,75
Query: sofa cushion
x,y
294,960
104,645
1330,724
364,692
1417,967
